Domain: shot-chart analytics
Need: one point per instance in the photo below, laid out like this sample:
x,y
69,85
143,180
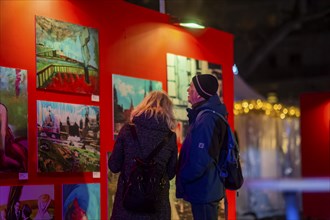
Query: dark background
x,y
281,46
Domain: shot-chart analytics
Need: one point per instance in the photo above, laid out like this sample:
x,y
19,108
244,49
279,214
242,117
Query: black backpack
x,y
229,165
146,181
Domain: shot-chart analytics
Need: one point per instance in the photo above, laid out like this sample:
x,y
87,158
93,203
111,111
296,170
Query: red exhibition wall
x,y
315,150
133,41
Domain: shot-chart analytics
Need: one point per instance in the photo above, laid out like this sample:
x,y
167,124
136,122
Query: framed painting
x,y
68,137
13,120
112,187
27,202
81,200
180,71
67,57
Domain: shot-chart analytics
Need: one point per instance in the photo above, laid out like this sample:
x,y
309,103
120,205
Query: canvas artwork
x,y
112,187
13,120
128,92
68,137
21,202
67,57
81,201
180,71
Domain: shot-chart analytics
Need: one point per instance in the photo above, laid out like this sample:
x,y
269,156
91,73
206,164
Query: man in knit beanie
x,y
206,85
197,180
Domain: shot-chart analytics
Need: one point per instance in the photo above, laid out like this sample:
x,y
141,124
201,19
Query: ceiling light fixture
x,y
191,25
188,23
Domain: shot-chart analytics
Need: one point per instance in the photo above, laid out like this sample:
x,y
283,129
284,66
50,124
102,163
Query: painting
x,y
128,92
21,202
68,137
180,71
112,187
67,57
13,120
81,201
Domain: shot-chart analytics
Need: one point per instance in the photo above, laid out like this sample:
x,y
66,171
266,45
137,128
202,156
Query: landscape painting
x,y
81,201
128,92
13,120
22,202
180,71
67,57
68,137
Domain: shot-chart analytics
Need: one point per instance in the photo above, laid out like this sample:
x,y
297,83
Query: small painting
x,y
180,71
27,202
68,137
13,120
81,201
128,92
67,57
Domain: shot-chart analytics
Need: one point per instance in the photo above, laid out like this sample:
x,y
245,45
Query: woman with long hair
x,y
153,119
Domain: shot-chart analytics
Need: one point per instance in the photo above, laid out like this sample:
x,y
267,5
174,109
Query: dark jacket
x,y
150,132
197,179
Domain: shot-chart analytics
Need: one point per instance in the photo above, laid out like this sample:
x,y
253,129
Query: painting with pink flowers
x,y
13,120
27,202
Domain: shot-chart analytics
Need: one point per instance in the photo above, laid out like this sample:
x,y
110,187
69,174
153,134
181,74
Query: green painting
x,y
67,57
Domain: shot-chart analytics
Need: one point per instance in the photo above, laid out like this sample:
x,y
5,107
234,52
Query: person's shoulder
x,y
209,117
124,130
206,114
127,126
203,120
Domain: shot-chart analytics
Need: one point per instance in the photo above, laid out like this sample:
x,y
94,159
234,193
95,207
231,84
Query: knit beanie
x,y
206,85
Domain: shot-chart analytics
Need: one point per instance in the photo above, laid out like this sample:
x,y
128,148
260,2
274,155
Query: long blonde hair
x,y
155,104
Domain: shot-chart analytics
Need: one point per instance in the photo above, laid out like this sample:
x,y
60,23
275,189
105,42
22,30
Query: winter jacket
x,y
150,132
197,179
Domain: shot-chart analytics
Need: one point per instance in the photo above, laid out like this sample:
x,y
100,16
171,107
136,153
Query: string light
x,y
265,107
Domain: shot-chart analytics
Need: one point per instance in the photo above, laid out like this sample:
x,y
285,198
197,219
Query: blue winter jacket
x,y
197,179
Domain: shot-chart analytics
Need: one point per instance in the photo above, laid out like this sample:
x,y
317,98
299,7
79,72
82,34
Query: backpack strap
x,y
214,112
230,132
159,146
156,150
232,143
134,134
231,146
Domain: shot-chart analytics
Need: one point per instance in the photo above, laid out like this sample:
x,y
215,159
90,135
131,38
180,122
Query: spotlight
x,y
188,23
